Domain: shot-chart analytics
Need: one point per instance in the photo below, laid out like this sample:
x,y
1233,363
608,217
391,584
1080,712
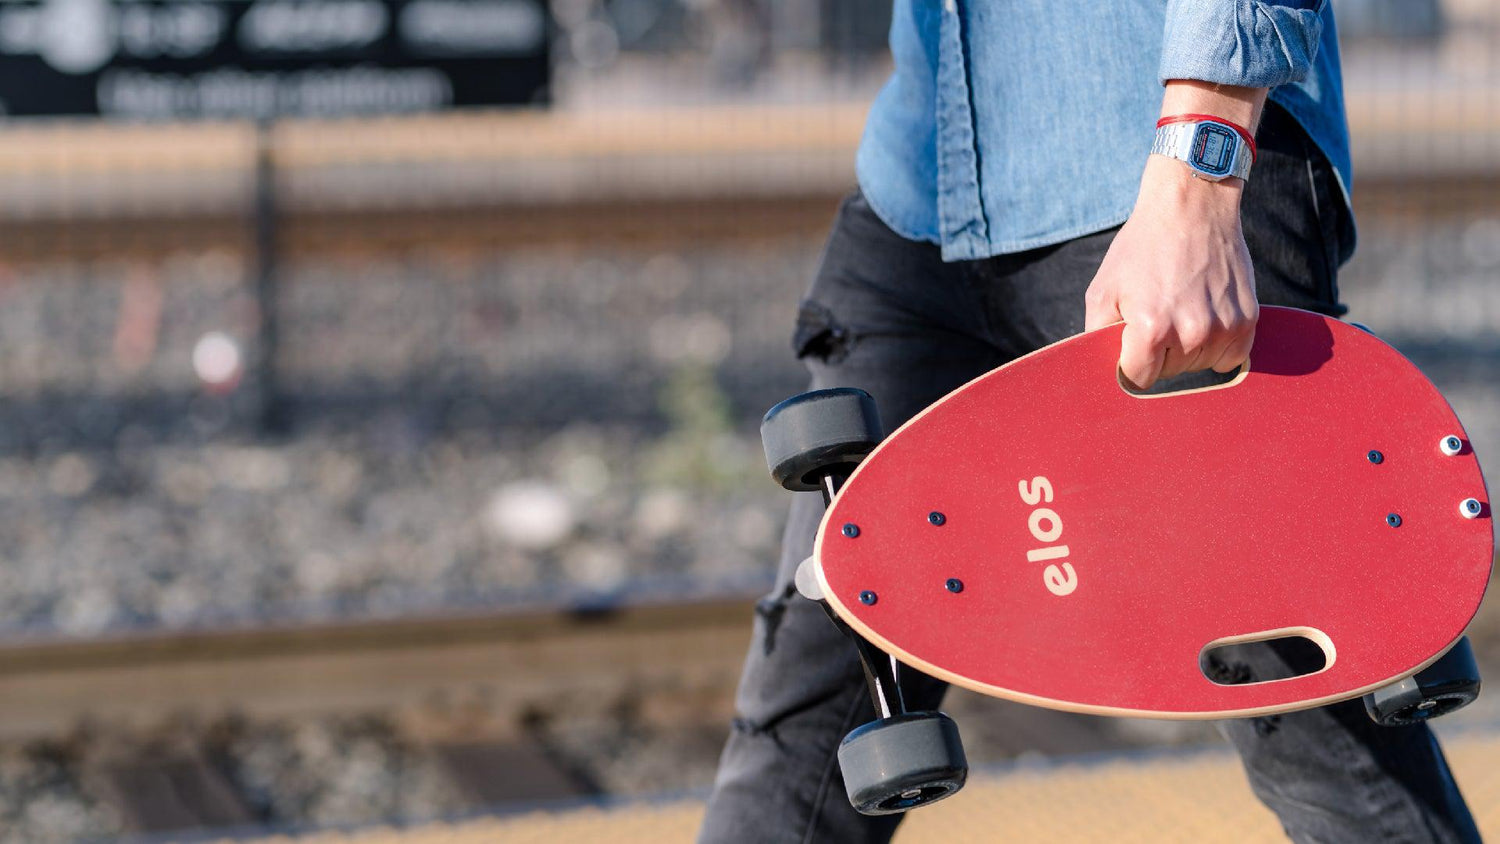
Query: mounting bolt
x,y
867,598
1393,520
954,585
1427,704
1470,508
937,519
851,530
1451,445
1376,457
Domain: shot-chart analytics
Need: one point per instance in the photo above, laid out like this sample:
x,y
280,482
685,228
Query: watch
x,y
1212,149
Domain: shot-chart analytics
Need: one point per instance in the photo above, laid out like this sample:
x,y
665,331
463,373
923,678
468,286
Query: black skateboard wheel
x,y
899,763
824,432
1445,686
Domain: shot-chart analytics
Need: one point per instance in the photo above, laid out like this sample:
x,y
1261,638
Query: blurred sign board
x,y
184,59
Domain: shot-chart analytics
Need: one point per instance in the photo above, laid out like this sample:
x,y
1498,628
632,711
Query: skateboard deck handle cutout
x,y
1266,637
1232,380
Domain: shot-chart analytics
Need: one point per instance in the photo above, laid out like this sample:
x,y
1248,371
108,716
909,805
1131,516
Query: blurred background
x,y
378,449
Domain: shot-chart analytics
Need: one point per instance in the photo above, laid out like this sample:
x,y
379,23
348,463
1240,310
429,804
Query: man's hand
x,y
1178,273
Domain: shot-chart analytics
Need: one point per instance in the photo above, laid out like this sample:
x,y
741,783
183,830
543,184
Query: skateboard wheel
x,y
1447,685
820,433
899,763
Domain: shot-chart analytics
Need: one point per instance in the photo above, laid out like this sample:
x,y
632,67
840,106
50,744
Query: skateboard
x,y
1049,535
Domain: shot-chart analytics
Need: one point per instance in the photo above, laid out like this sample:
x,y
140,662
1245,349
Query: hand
x,y
1179,275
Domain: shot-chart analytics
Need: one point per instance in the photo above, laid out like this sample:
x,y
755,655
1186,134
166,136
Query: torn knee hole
x,y
820,335
746,726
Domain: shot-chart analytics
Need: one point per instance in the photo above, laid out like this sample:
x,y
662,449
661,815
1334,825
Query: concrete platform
x,y
1198,796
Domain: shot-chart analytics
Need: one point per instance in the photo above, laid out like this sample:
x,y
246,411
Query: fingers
x,y
1157,347
1202,348
1142,354
1192,337
1099,307
1235,353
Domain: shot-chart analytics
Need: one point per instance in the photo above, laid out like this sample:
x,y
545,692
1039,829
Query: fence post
x,y
265,225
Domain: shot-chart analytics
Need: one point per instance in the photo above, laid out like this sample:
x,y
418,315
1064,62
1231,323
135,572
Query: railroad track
x,y
463,692
515,661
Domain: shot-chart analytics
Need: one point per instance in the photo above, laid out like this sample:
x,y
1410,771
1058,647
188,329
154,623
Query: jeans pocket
x,y
1328,204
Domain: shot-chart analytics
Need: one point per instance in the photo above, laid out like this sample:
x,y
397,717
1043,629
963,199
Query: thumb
x,y
1140,360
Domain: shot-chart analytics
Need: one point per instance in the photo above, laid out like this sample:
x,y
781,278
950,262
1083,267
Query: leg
x,y
887,316
1333,775
1330,774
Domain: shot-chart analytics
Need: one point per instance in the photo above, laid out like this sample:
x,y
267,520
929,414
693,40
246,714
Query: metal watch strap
x,y
1175,140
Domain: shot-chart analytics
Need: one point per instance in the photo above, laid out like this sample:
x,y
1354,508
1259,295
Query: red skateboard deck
x,y
1042,535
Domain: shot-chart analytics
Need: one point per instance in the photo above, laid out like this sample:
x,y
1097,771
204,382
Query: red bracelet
x,y
1196,118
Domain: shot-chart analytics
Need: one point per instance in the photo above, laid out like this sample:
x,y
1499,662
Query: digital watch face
x,y
1213,149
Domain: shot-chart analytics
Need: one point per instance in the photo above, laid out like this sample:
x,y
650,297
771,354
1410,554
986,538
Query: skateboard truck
x,y
902,759
1447,685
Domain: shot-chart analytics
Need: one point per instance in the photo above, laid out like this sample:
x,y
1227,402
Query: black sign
x,y
175,59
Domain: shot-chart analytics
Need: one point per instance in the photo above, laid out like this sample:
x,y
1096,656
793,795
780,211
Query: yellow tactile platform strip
x,y
1194,798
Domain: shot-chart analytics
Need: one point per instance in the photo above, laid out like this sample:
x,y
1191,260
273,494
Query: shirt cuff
x,y
1250,43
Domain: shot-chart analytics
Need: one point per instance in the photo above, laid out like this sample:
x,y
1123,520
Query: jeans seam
x,y
977,286
1317,207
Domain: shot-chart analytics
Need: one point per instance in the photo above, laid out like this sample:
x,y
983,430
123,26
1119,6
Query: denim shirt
x,y
1013,124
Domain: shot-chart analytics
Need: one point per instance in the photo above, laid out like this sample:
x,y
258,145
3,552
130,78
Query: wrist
x,y
1209,131
1169,183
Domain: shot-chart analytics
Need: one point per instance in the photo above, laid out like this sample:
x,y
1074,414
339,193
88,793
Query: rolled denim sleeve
x,y
1253,43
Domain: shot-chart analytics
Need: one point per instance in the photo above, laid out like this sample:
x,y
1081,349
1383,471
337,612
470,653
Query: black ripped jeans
x,y
887,315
